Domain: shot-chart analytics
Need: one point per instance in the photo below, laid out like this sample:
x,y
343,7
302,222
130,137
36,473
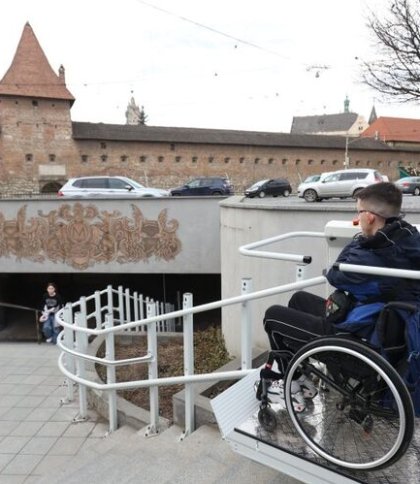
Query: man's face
x,y
363,218
369,221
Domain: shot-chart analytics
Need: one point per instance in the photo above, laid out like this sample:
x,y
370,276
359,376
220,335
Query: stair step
x,y
128,457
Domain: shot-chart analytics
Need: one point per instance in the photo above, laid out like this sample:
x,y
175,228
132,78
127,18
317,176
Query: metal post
x,y
346,154
69,359
110,374
246,328
141,312
127,306
81,347
301,272
188,365
98,313
136,309
121,304
153,428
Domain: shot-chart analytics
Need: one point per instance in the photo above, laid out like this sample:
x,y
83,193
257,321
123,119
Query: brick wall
x,y
36,148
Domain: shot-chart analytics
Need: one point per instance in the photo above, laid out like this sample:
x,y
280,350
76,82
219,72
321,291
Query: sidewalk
x,y
42,441
37,431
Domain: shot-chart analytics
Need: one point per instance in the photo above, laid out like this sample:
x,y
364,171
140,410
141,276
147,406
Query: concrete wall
x,y
244,221
168,235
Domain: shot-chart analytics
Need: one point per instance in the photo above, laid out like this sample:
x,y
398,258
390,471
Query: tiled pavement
x,y
37,431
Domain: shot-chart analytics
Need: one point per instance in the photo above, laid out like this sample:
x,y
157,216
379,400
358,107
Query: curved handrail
x,y
195,309
150,382
248,249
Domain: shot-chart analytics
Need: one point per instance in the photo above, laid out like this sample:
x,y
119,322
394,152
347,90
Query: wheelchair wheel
x,y
362,417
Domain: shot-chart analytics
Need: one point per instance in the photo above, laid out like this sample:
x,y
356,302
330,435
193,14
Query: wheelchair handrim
x,y
318,450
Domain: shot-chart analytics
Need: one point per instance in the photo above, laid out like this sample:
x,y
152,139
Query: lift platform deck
x,y
236,412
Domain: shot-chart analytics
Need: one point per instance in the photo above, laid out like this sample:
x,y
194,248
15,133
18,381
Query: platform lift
x,y
236,412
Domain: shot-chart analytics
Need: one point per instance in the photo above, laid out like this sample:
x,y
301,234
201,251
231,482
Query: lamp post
x,y
346,154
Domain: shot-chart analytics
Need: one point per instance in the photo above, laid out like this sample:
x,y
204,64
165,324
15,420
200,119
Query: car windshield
x,y
134,183
258,184
312,178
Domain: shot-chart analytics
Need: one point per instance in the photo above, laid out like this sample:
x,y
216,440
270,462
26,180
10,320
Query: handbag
x,y
338,305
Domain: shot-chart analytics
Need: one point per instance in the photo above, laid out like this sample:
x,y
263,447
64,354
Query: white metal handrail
x,y
74,344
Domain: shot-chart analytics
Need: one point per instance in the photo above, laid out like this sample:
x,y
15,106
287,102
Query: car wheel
x,y
261,194
310,195
286,193
358,190
416,191
217,193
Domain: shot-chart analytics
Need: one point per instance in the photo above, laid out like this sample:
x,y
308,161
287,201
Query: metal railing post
x,y
246,327
69,359
127,307
98,313
188,365
111,374
301,270
109,300
81,346
141,311
153,428
121,304
136,309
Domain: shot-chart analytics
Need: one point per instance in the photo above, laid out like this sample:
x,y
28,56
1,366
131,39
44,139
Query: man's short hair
x,y
384,199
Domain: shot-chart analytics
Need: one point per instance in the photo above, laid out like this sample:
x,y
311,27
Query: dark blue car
x,y
204,186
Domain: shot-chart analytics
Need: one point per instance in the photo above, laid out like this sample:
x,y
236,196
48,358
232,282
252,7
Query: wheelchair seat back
x,y
391,333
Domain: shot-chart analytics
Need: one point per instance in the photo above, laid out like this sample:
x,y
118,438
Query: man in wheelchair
x,y
385,241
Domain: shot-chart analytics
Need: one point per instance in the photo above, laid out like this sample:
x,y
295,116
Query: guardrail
x,y
26,308
111,320
73,342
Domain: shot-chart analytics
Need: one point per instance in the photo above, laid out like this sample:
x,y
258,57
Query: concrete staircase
x,y
126,456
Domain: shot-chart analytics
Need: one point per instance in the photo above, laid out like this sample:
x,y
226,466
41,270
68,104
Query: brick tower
x,y
35,123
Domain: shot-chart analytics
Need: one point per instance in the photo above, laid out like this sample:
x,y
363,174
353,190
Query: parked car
x,y
409,184
312,179
109,187
201,186
274,187
341,184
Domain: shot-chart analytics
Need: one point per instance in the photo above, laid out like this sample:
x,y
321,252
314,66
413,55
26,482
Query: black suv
x,y
211,185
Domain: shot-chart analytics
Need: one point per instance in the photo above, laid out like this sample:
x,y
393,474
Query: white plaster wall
x,y
198,231
244,221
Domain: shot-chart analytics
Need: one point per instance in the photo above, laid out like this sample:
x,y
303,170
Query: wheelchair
x,y
362,417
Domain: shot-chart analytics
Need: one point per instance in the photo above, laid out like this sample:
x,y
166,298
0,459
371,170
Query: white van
x,y
339,184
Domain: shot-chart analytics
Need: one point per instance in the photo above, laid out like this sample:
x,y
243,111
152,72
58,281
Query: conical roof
x,y
30,74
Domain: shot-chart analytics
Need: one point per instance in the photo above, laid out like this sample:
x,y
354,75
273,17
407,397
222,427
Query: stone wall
x,y
37,148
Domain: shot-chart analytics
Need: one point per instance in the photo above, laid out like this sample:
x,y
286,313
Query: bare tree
x,y
395,73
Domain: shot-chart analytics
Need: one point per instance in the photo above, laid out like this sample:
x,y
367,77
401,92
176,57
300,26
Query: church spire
x,y
346,105
30,74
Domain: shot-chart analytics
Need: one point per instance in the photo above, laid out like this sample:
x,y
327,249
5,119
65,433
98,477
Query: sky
x,y
226,64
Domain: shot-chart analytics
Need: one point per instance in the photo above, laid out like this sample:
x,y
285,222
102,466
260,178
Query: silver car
x,y
339,184
108,187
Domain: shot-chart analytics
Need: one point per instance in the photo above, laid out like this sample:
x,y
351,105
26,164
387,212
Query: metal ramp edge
x,y
237,404
283,461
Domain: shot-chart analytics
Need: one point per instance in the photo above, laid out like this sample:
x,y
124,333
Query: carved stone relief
x,y
82,236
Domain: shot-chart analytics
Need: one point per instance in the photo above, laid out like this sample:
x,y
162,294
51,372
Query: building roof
x,y
30,74
325,123
157,134
394,129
